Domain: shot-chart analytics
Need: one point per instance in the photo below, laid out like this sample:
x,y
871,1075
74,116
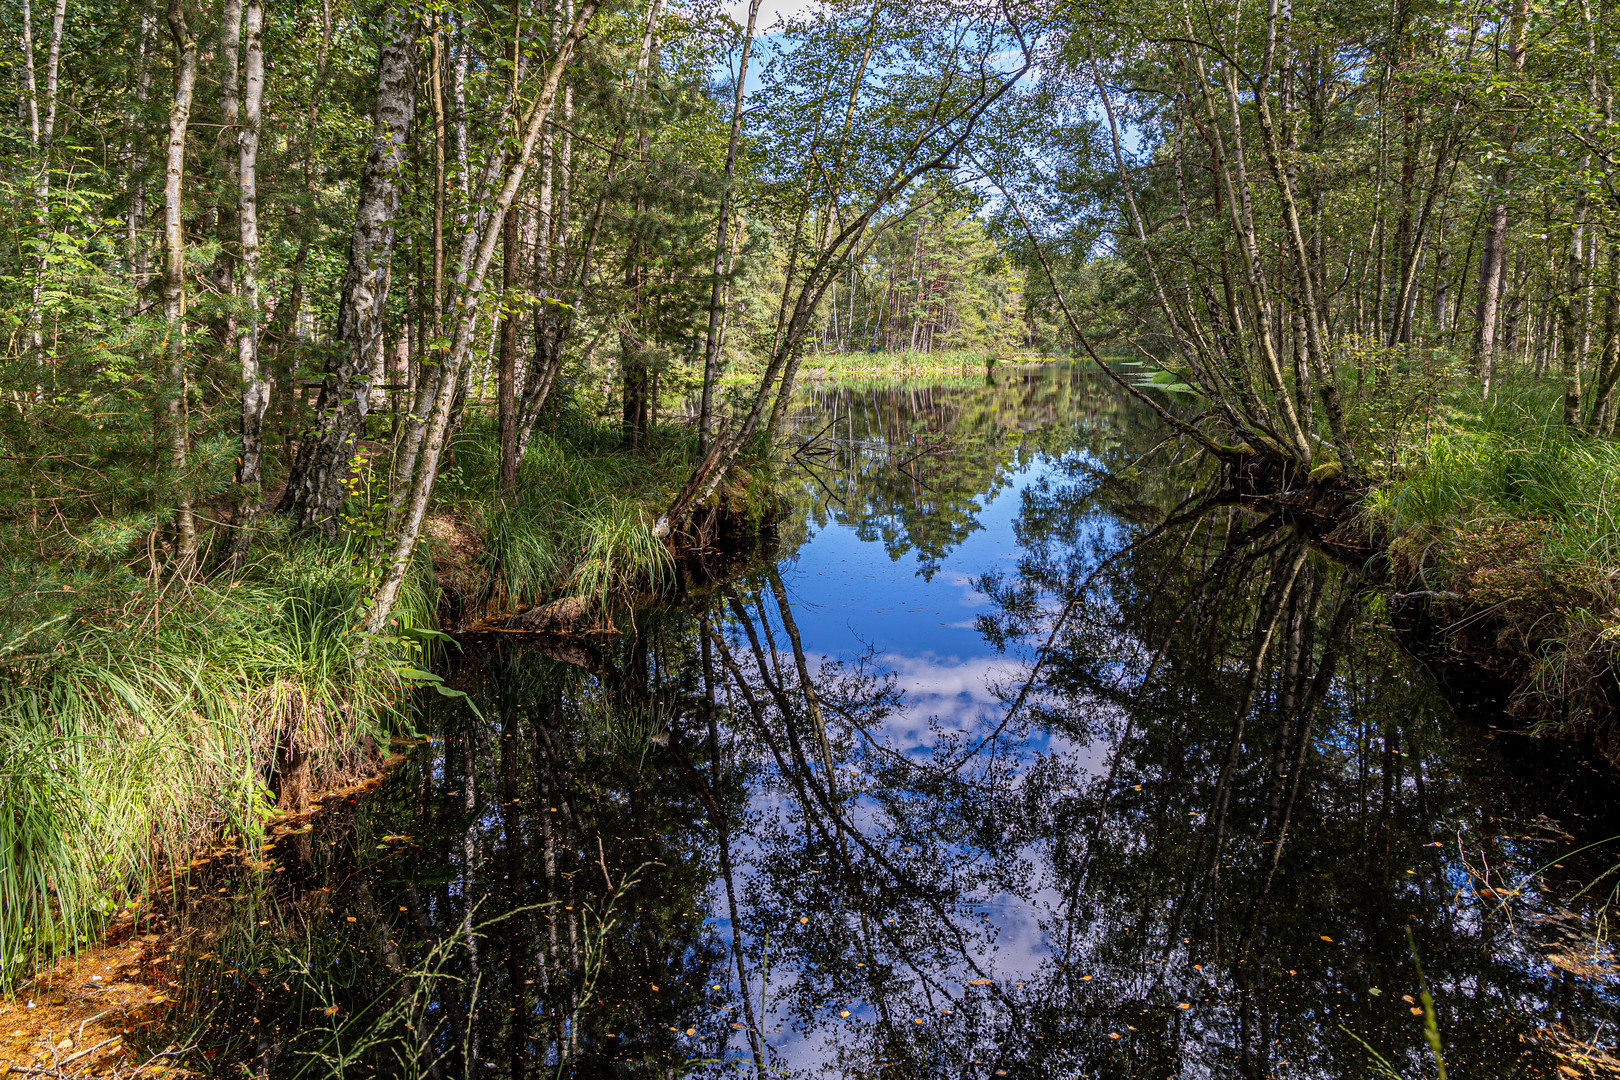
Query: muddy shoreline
x,y
1488,659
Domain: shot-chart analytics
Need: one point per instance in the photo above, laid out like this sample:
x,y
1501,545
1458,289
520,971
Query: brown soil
x,y
98,1014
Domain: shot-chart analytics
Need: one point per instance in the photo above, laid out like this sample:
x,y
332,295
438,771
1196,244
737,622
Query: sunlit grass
x,y
127,742
1511,462
579,523
901,364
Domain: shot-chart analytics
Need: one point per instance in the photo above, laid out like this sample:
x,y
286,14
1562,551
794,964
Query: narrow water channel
x,y
1008,759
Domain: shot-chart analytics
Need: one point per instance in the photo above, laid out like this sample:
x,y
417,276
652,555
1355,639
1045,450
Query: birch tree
x,y
315,489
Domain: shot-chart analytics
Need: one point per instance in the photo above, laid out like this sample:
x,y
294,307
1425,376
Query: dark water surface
x,y
990,770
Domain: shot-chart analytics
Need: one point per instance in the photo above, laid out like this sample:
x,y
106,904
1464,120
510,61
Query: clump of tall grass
x,y
579,522
1511,464
1505,510
143,731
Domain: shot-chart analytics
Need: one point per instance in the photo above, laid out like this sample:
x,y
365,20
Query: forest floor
x,y
109,1009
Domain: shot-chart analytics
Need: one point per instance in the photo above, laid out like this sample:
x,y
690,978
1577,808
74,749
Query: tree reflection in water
x,y
1186,837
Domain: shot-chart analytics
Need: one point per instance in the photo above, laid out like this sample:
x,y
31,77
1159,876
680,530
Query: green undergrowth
x,y
1511,467
137,725
901,364
1502,507
579,522
142,718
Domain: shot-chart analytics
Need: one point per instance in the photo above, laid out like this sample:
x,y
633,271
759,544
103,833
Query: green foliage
x,y
578,524
903,364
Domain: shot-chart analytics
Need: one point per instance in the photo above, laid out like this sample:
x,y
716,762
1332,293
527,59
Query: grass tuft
x,y
143,732
1505,510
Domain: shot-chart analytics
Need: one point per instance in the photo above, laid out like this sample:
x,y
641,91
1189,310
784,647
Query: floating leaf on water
x,y
1183,1005
844,1013
983,982
691,1031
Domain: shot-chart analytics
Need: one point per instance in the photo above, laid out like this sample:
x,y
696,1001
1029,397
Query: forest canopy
x,y
265,266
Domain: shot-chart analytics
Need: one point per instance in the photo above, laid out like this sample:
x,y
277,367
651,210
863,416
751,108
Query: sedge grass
x,y
579,521
1511,462
1504,508
133,739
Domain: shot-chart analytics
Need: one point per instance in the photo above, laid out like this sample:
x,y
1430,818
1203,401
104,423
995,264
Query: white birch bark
x,y
174,283
722,262
479,249
315,490
255,389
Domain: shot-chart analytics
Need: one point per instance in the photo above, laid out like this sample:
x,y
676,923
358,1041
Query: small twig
x,y
93,1049
80,1036
154,1057
1426,594
602,860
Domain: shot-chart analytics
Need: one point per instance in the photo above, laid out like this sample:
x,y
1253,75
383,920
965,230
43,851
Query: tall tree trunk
x,y
433,354
632,346
1492,251
551,322
174,285
506,381
711,341
255,388
228,233
478,247
1573,342
315,489
42,132
1608,374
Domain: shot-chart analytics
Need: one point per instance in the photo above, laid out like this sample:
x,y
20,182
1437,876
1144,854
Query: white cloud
x,y
770,12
